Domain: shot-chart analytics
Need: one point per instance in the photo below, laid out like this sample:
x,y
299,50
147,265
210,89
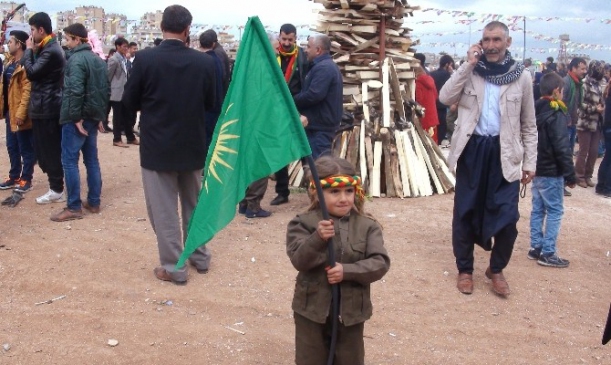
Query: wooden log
x,y
429,165
344,144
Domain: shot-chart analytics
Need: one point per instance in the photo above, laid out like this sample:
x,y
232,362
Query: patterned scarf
x,y
573,88
502,73
292,60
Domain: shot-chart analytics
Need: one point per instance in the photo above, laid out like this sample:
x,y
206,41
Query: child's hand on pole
x,y
335,275
325,229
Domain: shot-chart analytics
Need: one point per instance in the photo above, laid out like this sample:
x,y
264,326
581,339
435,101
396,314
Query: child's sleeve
x,y
304,246
376,262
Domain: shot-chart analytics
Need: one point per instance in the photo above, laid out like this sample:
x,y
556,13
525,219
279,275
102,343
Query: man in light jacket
x,y
494,145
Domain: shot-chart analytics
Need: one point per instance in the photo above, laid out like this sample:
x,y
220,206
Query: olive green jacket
x,y
359,247
86,89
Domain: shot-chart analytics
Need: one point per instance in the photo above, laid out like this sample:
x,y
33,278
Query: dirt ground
x,y
103,265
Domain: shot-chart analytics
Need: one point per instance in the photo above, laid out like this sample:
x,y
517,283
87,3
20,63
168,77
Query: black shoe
x,y
242,208
552,261
567,193
107,129
261,213
534,254
280,200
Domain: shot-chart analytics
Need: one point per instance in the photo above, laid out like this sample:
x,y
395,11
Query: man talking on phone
x,y
494,147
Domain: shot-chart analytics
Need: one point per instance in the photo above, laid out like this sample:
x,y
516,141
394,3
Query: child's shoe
x,y
534,254
552,261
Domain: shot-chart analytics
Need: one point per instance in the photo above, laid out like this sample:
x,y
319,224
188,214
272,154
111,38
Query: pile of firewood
x,y
386,143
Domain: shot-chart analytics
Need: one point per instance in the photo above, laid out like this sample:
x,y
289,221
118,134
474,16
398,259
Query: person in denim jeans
x,y
603,187
554,170
83,110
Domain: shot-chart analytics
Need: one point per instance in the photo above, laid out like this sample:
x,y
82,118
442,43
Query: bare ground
x,y
103,265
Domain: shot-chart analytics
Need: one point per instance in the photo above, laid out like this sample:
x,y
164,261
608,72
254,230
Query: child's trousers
x,y
312,341
547,211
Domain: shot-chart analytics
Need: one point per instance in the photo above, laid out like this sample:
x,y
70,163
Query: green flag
x,y
257,134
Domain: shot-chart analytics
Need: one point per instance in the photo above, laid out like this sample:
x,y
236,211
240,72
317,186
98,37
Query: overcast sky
x,y
435,36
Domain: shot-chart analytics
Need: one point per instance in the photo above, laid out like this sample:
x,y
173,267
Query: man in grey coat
x,y
117,76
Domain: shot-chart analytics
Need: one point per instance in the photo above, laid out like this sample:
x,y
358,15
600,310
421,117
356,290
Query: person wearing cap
x,y
15,92
44,63
83,110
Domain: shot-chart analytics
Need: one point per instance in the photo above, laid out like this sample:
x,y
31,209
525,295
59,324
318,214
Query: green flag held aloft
x,y
257,134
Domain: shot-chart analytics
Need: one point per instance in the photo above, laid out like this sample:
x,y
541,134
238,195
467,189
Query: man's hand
x,y
304,120
474,53
454,108
325,229
101,127
30,43
19,121
335,275
79,127
527,177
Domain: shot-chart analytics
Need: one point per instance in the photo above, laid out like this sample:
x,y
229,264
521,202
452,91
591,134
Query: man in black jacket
x,y
172,136
294,65
44,66
441,75
320,99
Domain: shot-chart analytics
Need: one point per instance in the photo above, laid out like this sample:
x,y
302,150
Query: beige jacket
x,y
18,99
518,133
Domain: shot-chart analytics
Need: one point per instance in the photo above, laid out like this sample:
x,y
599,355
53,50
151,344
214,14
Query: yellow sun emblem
x,y
220,149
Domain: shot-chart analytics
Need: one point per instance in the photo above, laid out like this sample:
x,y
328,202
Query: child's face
x,y
557,94
339,201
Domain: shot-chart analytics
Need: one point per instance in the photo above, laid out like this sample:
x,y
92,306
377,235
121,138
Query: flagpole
x,y
331,253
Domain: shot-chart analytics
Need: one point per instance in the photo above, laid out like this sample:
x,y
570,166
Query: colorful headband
x,y
84,40
341,181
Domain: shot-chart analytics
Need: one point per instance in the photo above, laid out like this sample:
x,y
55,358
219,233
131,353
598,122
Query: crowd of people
x,y
56,101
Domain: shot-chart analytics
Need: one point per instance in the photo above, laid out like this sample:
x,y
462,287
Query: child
x,y
361,260
554,170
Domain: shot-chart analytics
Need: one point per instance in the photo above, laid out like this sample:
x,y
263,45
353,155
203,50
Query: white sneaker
x,y
51,197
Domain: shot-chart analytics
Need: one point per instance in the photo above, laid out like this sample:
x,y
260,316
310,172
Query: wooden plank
x,y
412,164
396,90
367,44
345,37
423,176
394,168
362,155
388,178
353,147
369,153
402,165
344,4
429,166
377,162
385,95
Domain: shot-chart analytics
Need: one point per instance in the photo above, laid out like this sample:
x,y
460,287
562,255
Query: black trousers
x,y
122,122
48,147
442,128
485,206
282,182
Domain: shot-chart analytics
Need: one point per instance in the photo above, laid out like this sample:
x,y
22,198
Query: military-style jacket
x,y
359,247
